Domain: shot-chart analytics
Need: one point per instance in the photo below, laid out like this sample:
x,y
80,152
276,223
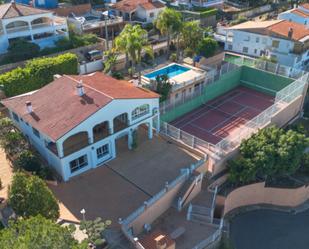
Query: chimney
x,y
161,242
290,33
13,3
80,88
29,107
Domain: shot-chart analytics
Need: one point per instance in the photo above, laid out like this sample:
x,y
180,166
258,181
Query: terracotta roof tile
x,y
57,108
131,5
152,5
78,10
282,28
305,6
11,10
300,13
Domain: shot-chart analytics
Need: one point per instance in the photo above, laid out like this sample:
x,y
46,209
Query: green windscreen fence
x,y
255,79
263,81
226,83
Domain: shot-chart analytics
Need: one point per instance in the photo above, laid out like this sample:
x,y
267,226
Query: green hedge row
x,y
208,13
37,73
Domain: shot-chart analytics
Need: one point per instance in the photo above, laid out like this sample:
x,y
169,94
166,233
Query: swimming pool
x,y
171,71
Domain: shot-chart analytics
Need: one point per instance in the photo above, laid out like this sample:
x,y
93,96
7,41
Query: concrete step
x,y
201,217
206,211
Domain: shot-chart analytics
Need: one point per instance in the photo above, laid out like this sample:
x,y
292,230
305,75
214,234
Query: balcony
x,y
17,29
206,3
101,23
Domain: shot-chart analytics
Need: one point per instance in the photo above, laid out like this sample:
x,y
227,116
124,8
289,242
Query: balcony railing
x,y
17,29
98,24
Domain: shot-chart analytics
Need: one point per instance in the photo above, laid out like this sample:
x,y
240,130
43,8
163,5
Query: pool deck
x,y
182,79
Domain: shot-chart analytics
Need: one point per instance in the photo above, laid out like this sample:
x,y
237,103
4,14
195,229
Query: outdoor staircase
x,y
201,215
116,239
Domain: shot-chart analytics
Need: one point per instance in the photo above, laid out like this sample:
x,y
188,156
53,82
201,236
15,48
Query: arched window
x,y
17,25
140,111
75,143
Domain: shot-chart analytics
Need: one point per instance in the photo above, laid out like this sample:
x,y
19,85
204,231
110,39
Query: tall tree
x,y
191,34
29,196
169,22
133,41
37,233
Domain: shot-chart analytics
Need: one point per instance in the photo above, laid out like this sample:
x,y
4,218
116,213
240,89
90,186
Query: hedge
x,y
37,73
208,13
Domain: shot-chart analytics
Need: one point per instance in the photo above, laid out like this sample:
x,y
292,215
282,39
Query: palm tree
x,y
169,22
133,41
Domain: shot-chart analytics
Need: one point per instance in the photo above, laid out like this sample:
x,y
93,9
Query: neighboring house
x,y
145,11
298,15
283,41
39,26
75,122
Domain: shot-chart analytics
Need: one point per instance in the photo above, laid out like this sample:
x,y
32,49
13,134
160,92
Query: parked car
x,y
94,55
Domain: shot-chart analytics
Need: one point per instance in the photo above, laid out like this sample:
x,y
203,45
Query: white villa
x,y
144,11
22,21
284,41
299,15
76,121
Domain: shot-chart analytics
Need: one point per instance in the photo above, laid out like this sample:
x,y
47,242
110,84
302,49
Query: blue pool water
x,y
170,71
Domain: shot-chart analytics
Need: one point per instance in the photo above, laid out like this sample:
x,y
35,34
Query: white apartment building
x,y
284,41
22,21
299,15
76,122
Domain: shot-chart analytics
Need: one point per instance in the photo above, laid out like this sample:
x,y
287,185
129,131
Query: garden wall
x,y
78,51
257,194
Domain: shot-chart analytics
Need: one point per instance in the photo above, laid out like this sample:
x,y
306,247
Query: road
x,y
266,229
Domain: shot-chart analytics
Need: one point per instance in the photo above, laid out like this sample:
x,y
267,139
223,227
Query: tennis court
x,y
224,115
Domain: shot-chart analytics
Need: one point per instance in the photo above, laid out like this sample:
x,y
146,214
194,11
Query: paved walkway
x,y
268,229
6,174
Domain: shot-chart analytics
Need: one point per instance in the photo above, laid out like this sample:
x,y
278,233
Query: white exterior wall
x,y
146,14
32,30
108,113
243,39
294,18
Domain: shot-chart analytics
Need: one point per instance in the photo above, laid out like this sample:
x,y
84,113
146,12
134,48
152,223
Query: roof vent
x,y
29,107
290,33
80,88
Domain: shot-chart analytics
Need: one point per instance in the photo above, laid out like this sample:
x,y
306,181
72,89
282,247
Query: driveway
x,y
267,229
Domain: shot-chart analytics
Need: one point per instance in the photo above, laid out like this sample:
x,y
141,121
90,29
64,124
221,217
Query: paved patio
x,y
152,164
120,187
194,232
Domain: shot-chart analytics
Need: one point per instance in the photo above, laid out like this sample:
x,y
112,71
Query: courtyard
x,y
117,188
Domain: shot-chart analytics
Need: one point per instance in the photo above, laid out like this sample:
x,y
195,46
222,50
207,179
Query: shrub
x,y
13,143
208,13
270,153
240,19
37,73
173,57
20,50
37,232
188,52
29,196
207,47
28,161
117,75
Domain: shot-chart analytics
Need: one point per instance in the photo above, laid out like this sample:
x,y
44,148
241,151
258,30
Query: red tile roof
x,y
131,5
305,6
57,108
300,13
152,5
11,10
282,28
78,10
